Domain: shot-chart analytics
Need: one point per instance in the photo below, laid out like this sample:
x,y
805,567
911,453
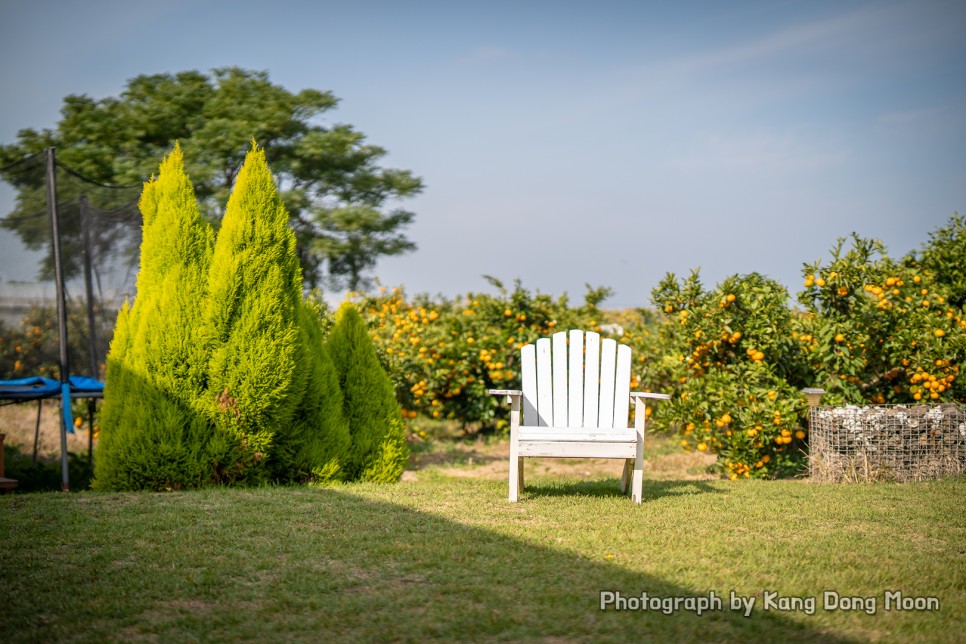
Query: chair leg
x,y
638,483
626,475
516,472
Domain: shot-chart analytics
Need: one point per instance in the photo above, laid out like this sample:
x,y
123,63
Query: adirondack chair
x,y
575,403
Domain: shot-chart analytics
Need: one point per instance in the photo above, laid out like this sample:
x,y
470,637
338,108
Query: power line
x,y
12,218
11,166
80,176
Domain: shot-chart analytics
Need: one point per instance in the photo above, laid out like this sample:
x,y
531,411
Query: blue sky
x,y
566,143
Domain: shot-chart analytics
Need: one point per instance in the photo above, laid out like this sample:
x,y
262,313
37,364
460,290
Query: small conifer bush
x,y
378,450
313,447
152,435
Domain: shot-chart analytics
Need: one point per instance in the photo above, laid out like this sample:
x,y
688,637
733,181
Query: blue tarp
x,y
33,388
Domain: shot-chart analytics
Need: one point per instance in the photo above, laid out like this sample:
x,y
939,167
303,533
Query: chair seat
x,y
582,434
576,449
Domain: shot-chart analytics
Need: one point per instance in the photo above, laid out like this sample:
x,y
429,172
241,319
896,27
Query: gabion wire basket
x,y
886,442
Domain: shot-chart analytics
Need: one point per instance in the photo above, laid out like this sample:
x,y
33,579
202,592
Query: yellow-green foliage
x,y
218,373
250,318
313,446
378,451
151,433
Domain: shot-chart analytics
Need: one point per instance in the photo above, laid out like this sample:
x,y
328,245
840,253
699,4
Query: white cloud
x,y
487,53
792,151
909,117
869,32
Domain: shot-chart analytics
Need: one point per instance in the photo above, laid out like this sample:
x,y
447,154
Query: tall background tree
x,y
342,204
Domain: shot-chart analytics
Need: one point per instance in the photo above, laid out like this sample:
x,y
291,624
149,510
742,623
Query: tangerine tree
x,y
880,331
738,372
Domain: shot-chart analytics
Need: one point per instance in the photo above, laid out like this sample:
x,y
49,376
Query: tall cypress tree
x,y
250,320
218,373
378,451
152,435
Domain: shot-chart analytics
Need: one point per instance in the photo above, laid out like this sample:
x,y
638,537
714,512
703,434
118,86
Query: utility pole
x,y
61,311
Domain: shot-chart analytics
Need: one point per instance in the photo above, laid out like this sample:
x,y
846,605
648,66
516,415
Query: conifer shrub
x,y
251,319
219,372
152,435
378,450
314,446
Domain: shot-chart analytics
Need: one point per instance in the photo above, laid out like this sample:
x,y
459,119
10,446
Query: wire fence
x,y
886,442
100,227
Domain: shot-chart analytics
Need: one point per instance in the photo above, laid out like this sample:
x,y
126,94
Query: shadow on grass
x,y
330,565
45,475
456,454
650,491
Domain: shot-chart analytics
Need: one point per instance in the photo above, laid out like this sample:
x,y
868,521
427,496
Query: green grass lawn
x,y
442,557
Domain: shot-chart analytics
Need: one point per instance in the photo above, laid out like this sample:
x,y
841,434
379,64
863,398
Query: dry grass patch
x,y
19,423
488,459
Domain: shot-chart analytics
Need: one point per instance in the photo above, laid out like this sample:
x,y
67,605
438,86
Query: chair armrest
x,y
509,393
648,394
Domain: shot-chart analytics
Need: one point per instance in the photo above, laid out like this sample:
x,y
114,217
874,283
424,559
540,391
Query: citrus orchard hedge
x,y
444,354
865,327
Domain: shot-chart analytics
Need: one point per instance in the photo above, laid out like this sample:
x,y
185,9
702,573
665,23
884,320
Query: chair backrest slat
x,y
528,374
592,379
622,386
608,364
575,412
560,378
576,379
544,383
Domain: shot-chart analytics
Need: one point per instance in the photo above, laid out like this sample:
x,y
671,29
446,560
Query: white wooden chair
x,y
575,404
